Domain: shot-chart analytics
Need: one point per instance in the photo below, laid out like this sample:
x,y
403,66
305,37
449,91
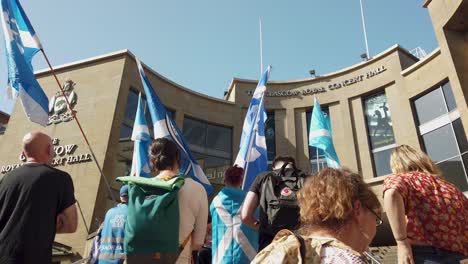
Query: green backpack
x,y
152,226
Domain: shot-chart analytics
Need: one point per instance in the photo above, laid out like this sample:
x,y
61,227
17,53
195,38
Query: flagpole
x,y
365,33
317,158
261,47
79,126
316,149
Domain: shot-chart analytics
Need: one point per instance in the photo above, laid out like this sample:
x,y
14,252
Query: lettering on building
x,y
64,154
330,87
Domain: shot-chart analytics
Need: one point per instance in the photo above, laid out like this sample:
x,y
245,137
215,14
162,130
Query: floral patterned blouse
x,y
436,211
285,250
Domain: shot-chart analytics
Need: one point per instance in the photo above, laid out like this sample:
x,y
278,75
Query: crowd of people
x,y
287,216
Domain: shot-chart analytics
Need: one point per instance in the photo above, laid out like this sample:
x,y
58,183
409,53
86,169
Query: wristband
x,y
401,239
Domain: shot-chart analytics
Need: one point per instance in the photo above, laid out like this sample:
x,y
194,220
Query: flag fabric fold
x,y
252,154
142,139
164,126
320,136
22,43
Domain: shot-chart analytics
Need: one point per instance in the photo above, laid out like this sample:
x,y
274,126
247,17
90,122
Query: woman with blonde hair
x,y
339,214
427,214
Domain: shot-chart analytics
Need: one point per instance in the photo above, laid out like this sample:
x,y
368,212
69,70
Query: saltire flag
x,y
232,241
320,136
142,139
22,44
252,154
164,126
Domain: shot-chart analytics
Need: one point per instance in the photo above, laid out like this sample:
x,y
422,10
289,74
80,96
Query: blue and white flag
x,y
22,44
252,154
232,241
164,126
142,139
320,136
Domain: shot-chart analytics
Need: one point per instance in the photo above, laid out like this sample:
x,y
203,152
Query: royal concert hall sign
x,y
323,89
64,155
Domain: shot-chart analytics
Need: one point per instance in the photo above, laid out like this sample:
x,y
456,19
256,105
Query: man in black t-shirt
x,y
255,197
36,202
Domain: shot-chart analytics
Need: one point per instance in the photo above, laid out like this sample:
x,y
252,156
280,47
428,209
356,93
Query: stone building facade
x,y
393,98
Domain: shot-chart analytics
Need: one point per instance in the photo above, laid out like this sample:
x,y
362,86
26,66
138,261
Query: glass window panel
x,y
125,131
210,141
322,164
313,150
449,98
430,106
382,162
131,107
453,172
219,138
440,144
194,132
379,121
214,167
460,134
270,135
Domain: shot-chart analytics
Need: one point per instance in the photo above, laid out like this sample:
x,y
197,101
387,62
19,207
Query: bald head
x,y
37,147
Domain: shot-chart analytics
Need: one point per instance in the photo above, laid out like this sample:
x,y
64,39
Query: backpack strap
x,y
187,239
302,247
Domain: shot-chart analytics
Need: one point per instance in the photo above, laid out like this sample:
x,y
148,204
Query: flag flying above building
x,y
320,136
164,126
142,139
22,43
252,154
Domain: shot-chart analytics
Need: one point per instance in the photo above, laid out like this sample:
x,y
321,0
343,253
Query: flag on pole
x,y
252,154
142,139
320,136
22,44
164,126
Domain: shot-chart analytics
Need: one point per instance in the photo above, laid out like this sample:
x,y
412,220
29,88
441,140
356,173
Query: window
x,y
129,117
317,156
130,113
442,133
211,145
270,137
380,132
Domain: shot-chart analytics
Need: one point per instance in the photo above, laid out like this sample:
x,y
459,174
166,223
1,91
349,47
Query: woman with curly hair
x,y
339,214
427,214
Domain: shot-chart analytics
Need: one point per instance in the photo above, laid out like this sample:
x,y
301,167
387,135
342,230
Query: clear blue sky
x,y
203,44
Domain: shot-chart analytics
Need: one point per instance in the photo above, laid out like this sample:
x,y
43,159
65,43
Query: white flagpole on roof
x,y
365,33
261,47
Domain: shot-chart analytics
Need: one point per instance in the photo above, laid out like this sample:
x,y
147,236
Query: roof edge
x,y
421,63
426,3
129,53
179,86
84,61
382,54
